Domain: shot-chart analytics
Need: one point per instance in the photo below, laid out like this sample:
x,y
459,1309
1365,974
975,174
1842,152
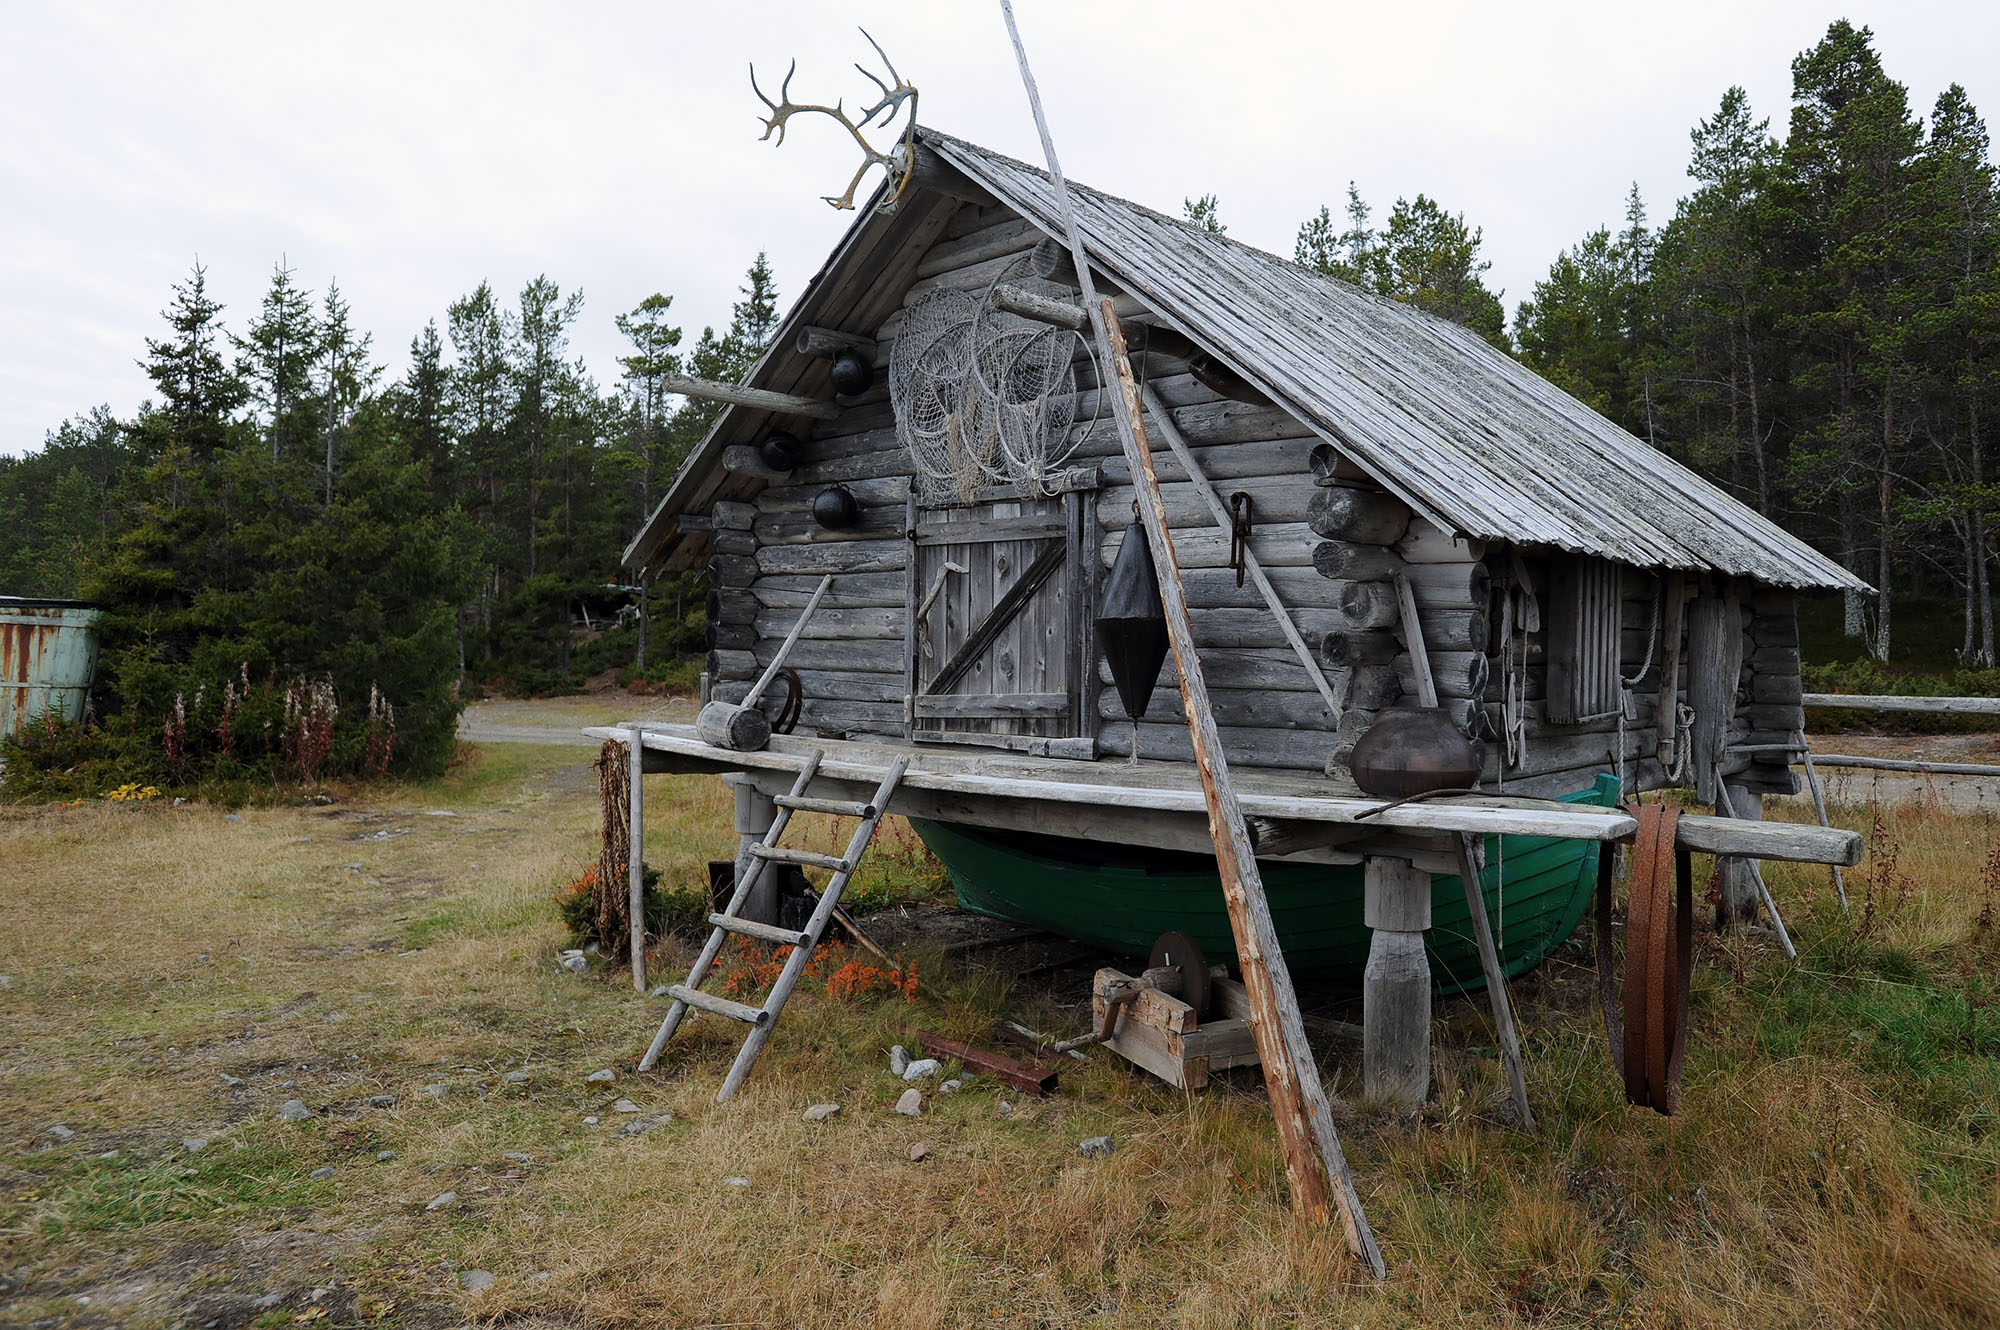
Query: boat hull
x,y
1123,897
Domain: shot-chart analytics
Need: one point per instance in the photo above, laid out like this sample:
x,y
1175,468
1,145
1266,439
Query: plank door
x,y
999,596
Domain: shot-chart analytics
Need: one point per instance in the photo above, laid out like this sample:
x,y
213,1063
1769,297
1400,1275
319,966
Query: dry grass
x,y
1834,1162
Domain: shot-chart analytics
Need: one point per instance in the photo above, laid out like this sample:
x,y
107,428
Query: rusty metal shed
x,y
48,655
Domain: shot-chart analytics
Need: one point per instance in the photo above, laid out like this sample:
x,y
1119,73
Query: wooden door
x,y
999,595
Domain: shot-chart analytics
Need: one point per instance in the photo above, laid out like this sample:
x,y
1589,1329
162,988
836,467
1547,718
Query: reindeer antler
x,y
894,163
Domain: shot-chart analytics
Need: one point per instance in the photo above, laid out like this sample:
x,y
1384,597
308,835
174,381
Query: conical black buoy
x,y
1131,625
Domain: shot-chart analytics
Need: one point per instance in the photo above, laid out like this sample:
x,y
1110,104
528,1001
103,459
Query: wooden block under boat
x,y
1161,1034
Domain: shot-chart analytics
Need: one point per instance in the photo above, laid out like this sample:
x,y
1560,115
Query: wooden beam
x,y
1291,1075
1936,706
785,404
826,343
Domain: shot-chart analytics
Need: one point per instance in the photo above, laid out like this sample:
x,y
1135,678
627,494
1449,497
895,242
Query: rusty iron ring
x,y
795,700
1648,1045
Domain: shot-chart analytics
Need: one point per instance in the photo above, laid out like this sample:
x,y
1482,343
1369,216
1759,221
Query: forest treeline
x,y
1816,329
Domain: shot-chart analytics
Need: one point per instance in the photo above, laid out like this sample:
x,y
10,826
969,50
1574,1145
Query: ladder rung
x,y
720,1006
810,858
837,807
784,937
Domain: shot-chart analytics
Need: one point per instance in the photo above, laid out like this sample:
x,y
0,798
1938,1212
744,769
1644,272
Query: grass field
x,y
176,975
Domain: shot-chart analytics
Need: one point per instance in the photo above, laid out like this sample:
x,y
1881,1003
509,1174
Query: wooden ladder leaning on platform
x,y
765,850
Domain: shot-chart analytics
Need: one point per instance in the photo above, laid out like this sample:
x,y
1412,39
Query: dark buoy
x,y
851,374
780,451
1132,626
834,508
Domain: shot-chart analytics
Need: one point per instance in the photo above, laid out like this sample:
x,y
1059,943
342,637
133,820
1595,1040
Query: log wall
x,y
1330,540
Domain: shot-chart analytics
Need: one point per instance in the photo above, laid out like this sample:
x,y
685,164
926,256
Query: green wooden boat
x,y
1122,897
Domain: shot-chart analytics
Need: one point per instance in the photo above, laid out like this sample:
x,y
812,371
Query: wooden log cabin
x,y
1588,606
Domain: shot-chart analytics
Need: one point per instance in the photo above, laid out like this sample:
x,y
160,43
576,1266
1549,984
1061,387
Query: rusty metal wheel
x,y
1648,1043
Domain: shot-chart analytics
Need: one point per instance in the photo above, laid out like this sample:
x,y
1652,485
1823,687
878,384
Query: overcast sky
x,y
411,150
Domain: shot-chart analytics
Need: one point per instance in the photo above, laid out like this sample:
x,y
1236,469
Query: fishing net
x,y
982,396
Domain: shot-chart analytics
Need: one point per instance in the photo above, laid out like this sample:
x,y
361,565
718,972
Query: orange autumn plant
x,y
840,975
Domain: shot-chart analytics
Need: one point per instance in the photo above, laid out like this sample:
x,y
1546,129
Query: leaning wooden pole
x,y
1298,1100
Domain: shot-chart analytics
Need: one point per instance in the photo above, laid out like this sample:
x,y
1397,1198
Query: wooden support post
x,y
1496,978
635,865
1675,597
1819,806
1291,1075
1413,638
755,812
758,399
1396,985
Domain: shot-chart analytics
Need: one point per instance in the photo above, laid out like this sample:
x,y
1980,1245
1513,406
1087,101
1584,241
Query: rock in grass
x,y
476,1281
912,1103
640,1126
294,1110
1006,1109
441,1200
920,1152
322,1173
1097,1147
601,1077
590,1121
384,1156
821,1112
921,1068
231,1081
736,1182
381,1101
61,1132
517,1078
576,964
519,1157
437,1089
899,1060
624,1106
194,1145
951,1087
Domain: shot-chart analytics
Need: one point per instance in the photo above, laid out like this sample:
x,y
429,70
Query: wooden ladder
x,y
749,866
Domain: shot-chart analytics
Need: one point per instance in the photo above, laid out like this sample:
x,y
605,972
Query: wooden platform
x,y
1160,804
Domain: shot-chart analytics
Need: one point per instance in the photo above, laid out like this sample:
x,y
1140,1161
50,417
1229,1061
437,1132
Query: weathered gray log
x,y
1222,461
729,637
1424,543
1247,746
1276,545
1015,235
1268,668
1778,688
733,542
796,497
1674,604
1350,650
850,590
635,857
1354,723
879,624
1934,706
1396,985
732,516
745,460
1367,517
1372,687
929,171
1437,585
759,399
853,556
826,343
693,523
801,528
1239,708
725,665
818,653
740,725
731,605
1330,466
1902,764
1715,646
1273,499
1040,308
1455,673
1775,660
1367,605
1450,630
1746,805
732,570
1413,638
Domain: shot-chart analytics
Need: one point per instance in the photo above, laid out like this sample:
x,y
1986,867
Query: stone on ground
x,y
322,1173
441,1200
899,1060
602,1076
920,1152
61,1132
624,1106
736,1182
476,1281
821,1112
381,1101
194,1144
911,1103
640,1126
921,1068
231,1081
384,1156
437,1089
1096,1147
294,1110
517,1077
519,1157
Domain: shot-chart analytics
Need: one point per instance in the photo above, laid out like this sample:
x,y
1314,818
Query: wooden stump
x,y
755,811
1738,900
1396,986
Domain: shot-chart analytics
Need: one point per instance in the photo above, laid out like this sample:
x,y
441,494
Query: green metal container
x,y
48,654
1122,897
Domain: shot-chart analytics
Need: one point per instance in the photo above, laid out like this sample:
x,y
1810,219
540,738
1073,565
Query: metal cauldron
x,y
1413,750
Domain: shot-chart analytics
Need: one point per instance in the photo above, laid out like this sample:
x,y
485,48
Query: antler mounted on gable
x,y
895,163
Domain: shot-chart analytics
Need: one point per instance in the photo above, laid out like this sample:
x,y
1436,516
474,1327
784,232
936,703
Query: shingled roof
x,y
1468,437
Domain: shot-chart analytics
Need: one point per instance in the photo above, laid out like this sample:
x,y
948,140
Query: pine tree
x,y
1341,254
275,360
197,388
1202,214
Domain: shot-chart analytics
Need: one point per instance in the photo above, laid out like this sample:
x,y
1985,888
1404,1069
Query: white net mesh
x,y
982,396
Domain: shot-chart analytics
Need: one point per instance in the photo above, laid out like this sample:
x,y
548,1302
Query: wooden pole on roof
x,y
1298,1100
